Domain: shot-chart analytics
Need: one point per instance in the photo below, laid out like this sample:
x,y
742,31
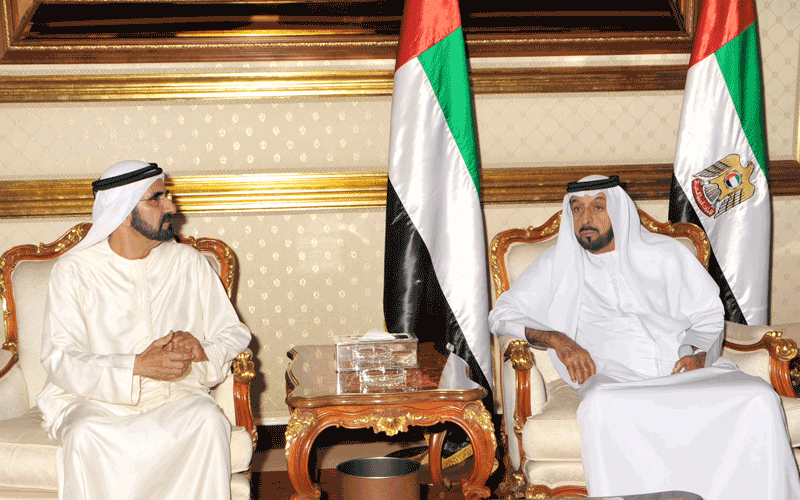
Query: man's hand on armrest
x,y
691,362
160,362
576,359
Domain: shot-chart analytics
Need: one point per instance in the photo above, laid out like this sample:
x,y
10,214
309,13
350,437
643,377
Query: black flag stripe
x,y
413,300
681,210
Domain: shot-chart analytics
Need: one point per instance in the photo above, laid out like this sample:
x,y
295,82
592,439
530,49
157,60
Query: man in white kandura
x,y
633,320
137,329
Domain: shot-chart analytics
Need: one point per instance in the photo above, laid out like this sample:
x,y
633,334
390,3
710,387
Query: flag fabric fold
x,y
436,281
720,176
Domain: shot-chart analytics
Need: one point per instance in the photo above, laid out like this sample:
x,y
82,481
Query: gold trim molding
x,y
348,190
289,84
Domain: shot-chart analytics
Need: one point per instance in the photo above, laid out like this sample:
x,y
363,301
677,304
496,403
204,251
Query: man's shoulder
x,y
177,252
667,253
669,246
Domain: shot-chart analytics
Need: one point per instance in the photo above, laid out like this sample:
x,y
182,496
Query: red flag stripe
x,y
425,23
720,22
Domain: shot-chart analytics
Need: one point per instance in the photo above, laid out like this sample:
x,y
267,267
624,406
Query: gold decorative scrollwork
x,y
390,425
494,264
296,426
520,355
785,349
73,236
3,292
518,425
530,494
243,368
484,420
548,230
11,347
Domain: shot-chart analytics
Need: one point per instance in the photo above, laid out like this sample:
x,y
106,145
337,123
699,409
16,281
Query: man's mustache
x,y
589,228
165,218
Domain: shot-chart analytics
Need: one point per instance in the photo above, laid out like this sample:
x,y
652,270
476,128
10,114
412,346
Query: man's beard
x,y
155,234
598,243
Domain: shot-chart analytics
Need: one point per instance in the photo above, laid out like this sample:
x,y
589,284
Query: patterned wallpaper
x,y
307,275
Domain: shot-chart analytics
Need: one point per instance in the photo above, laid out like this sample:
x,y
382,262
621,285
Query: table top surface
x,y
312,380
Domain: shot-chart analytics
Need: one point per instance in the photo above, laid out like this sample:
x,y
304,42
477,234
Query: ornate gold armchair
x,y
27,453
541,430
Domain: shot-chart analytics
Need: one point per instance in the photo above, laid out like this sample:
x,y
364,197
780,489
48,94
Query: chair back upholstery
x,y
24,276
513,250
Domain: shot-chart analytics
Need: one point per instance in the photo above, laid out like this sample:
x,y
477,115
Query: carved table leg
x,y
435,457
477,422
300,434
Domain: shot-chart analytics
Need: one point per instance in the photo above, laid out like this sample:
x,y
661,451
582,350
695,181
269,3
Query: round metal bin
x,y
379,478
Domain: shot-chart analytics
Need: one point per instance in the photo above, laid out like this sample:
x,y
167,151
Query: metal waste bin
x,y
379,478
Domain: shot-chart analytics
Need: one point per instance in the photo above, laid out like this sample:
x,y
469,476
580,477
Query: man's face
x,y
591,223
152,215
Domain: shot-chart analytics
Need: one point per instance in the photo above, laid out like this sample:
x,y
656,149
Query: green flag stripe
x,y
445,64
739,62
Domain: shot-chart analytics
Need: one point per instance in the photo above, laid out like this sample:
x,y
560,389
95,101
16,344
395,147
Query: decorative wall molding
x,y
276,192
372,83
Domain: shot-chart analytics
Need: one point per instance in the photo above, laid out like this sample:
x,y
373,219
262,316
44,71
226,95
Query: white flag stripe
x,y
442,202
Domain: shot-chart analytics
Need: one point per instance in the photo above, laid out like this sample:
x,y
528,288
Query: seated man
x,y
137,329
636,324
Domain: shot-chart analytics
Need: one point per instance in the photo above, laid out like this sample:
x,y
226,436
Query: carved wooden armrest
x,y
243,373
784,364
521,357
13,360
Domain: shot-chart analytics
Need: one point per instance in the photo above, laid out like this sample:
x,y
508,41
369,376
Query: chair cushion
x,y
28,454
557,421
556,473
791,407
13,391
241,449
30,279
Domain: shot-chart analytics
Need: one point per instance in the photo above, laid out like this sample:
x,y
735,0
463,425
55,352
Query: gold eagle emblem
x,y
723,185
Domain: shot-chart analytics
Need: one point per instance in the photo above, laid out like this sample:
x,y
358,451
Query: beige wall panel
x,y
785,260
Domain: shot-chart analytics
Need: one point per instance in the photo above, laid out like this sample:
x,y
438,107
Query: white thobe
x,y
125,436
716,432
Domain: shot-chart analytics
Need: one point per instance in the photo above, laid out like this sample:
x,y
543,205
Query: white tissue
x,y
376,334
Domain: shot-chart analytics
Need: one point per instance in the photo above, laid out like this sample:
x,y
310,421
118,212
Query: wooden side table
x,y
438,391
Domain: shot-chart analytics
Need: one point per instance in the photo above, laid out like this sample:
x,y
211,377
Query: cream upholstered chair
x,y
27,453
541,431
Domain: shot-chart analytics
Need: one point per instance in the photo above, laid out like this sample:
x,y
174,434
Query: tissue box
x,y
355,354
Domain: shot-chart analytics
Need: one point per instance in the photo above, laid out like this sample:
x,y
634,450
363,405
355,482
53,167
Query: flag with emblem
x,y
720,176
435,268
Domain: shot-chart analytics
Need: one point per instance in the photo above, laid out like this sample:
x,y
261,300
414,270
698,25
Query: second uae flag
x,y
436,281
720,178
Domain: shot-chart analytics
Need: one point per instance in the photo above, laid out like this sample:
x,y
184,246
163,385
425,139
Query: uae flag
x,y
436,281
720,177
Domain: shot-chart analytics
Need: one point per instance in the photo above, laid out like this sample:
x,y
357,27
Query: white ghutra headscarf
x,y
117,192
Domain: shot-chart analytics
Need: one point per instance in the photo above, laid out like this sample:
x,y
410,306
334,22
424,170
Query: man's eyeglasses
x,y
158,198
